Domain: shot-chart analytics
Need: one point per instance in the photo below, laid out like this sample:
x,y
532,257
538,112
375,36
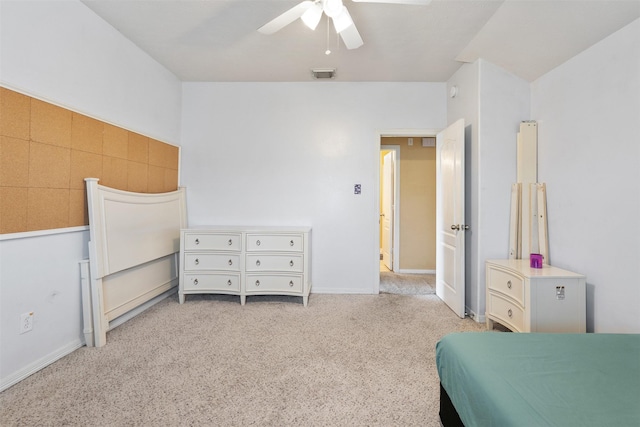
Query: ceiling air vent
x,y
324,73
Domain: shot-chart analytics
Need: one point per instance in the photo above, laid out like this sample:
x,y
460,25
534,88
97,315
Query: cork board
x,y
46,151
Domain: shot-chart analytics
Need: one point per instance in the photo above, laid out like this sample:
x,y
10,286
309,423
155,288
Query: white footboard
x,y
133,253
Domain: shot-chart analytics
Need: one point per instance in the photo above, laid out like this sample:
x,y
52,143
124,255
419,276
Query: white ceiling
x,y
216,40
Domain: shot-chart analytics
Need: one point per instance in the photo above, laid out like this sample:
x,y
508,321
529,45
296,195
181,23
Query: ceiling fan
x,y
310,11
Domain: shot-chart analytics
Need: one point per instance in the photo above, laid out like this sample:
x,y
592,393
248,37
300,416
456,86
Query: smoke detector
x,y
323,73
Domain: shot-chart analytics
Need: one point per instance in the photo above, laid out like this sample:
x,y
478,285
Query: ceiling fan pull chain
x,y
328,51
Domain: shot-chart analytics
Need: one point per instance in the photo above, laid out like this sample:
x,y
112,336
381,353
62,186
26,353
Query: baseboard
x,y
410,271
39,364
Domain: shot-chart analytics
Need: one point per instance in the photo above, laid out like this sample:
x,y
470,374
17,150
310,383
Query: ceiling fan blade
x,y
351,37
414,2
286,18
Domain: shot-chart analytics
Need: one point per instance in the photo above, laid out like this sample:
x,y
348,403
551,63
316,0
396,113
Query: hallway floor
x,y
406,284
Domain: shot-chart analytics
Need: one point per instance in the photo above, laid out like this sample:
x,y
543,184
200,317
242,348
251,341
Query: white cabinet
x,y
245,261
526,299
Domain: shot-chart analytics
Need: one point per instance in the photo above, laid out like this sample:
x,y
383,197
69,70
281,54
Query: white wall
x,y
588,111
290,153
504,102
39,274
63,53
493,102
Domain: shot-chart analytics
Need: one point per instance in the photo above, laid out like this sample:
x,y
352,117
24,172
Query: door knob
x,y
459,227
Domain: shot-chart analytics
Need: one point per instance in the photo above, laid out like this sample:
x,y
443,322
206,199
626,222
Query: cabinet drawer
x,y
506,312
212,282
212,241
275,242
207,261
507,283
264,262
257,283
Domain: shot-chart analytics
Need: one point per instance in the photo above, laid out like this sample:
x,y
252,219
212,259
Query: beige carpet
x,y
407,284
351,360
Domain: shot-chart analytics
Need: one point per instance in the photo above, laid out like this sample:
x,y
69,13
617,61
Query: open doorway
x,y
407,227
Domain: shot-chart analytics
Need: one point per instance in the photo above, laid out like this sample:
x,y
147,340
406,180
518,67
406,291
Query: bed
x,y
511,379
134,245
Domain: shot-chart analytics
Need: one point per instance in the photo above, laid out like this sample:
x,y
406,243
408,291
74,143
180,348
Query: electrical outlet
x,y
26,322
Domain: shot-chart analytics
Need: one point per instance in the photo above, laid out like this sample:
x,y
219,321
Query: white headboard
x,y
133,252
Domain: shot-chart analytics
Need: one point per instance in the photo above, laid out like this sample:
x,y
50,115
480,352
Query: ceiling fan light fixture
x,y
342,20
311,17
332,8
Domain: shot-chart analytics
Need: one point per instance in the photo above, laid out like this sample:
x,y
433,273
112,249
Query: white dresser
x,y
245,261
526,299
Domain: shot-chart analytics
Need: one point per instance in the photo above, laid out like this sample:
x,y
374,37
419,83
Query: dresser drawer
x,y
211,261
506,312
212,241
507,283
275,242
264,262
258,283
212,282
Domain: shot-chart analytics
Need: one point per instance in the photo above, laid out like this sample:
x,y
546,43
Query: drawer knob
x,y
230,262
197,241
229,282
258,263
509,284
291,243
230,242
291,283
291,263
257,242
197,261
257,282
195,281
510,313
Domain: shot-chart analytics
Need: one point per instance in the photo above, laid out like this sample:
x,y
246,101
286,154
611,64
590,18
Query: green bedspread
x,y
512,379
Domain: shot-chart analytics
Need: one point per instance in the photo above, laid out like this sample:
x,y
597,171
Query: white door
x,y
386,216
450,225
